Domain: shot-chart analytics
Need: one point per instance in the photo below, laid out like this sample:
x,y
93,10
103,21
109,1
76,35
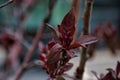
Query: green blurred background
x,y
103,11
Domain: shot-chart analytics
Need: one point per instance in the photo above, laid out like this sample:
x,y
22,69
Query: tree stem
x,y
76,6
86,30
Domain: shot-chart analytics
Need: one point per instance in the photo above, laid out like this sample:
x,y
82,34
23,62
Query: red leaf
x,y
113,74
54,54
53,57
68,22
74,45
95,75
71,53
40,63
51,44
43,48
109,31
98,31
108,76
86,40
118,68
55,32
42,57
52,63
7,40
65,68
67,29
106,33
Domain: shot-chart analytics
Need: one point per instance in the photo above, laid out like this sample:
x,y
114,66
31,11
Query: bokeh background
x,y
103,11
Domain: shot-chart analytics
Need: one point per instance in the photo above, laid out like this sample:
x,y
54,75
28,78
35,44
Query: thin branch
x,y
38,36
76,6
6,3
86,31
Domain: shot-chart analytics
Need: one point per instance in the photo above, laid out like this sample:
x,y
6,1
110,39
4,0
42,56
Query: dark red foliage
x,y
118,69
111,75
83,41
43,48
64,68
67,29
105,33
60,51
7,40
42,57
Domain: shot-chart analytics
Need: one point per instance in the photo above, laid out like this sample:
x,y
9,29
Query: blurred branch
x,y
76,6
86,31
38,36
14,52
6,3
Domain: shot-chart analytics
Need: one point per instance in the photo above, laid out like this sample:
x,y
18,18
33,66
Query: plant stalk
x,y
6,3
86,30
38,36
76,6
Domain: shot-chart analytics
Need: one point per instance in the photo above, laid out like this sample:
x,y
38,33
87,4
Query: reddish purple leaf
x,y
67,29
75,45
95,75
71,53
108,76
39,63
54,54
106,33
53,57
51,44
86,40
65,68
68,24
113,73
98,31
43,48
42,57
118,68
55,32
7,40
109,31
